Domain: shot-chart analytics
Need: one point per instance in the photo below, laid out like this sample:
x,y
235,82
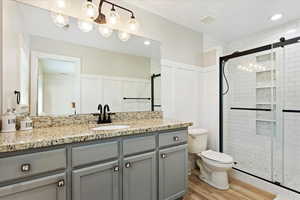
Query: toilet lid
x,y
217,156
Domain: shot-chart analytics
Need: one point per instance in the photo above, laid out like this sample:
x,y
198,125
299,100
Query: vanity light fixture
x,y
133,24
113,16
60,20
124,36
105,31
90,13
85,26
90,10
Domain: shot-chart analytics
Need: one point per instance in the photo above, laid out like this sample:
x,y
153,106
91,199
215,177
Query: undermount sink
x,y
112,127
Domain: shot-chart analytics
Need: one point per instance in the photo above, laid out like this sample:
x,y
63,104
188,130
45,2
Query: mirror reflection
x,y
72,70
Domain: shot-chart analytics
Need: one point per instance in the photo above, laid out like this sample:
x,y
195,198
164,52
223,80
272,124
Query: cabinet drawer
x,y
94,153
172,138
46,188
31,164
140,144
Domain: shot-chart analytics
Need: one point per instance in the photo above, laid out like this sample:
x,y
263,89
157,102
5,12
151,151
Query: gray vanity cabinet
x,y
173,172
139,177
147,167
98,182
47,188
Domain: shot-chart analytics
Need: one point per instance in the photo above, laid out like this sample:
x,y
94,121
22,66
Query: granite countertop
x,y
47,137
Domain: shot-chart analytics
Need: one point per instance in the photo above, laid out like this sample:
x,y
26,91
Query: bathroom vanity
x,y
146,161
72,158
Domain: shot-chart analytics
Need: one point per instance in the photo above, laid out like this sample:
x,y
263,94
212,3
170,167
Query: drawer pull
x,y
127,165
116,169
61,183
163,156
176,138
25,167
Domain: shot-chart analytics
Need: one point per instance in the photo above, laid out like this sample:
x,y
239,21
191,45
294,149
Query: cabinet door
x,y
47,188
172,172
139,178
98,182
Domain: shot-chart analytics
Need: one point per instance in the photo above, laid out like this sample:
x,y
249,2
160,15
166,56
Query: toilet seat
x,y
217,157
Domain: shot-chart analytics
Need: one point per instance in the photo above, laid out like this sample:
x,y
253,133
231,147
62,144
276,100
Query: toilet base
x,y
223,186
217,179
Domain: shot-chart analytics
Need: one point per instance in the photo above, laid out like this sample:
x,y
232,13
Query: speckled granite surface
x,y
55,121
51,136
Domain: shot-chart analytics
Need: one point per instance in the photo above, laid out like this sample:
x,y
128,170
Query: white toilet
x,y
213,165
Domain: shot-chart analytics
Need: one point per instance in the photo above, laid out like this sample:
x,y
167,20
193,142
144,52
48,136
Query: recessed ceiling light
x,y
147,43
276,17
291,31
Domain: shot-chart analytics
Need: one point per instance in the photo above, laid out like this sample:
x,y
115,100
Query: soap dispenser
x,y
9,121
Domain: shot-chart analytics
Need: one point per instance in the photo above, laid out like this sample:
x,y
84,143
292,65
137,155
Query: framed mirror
x,y
70,69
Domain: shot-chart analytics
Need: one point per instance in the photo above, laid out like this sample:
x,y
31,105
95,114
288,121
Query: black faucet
x,y
100,114
106,114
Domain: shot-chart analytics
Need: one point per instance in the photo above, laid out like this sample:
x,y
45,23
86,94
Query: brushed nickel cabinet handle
x,y
25,167
116,168
163,156
61,183
128,165
176,138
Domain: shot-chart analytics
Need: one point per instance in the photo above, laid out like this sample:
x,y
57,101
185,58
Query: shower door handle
x,y
291,111
251,109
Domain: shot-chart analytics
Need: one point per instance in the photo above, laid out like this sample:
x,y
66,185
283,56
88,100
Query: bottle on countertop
x,y
26,124
9,121
74,108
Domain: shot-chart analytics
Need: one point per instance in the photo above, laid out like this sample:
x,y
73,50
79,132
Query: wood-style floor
x,y
198,190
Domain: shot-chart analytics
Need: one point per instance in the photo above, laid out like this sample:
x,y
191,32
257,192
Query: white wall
x,y
13,41
111,90
58,94
1,54
179,43
181,91
191,93
210,105
96,61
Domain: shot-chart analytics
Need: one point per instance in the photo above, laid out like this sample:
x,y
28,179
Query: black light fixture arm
x,y
115,5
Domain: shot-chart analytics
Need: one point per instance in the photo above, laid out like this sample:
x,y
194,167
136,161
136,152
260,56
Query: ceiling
x,y
233,18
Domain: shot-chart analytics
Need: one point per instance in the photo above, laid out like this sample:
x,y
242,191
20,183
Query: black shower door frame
x,y
222,61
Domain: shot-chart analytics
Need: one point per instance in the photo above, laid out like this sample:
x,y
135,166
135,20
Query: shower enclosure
x,y
260,112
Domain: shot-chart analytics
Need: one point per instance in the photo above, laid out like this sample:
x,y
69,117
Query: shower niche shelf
x,y
266,120
265,95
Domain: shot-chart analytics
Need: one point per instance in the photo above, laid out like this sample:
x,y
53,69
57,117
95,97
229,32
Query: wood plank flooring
x,y
198,190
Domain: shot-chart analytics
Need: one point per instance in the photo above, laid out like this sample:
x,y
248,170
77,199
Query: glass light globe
x,y
60,20
90,10
85,26
61,4
133,25
113,17
124,36
105,31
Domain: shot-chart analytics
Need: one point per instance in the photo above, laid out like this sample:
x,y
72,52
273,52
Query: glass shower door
x,y
291,116
250,113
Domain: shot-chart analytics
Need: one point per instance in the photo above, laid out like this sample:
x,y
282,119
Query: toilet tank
x,y
197,141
